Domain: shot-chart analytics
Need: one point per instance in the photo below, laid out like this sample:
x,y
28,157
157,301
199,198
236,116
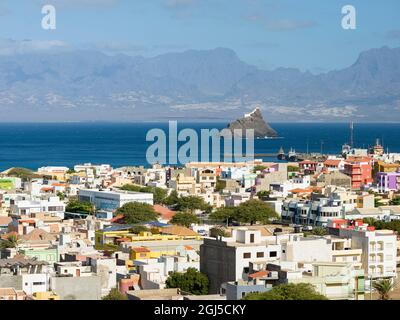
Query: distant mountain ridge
x,y
206,84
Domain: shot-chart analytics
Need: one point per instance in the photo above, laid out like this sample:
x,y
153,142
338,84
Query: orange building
x,y
359,169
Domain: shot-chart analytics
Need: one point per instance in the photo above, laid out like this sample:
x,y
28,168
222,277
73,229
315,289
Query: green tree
x,y
218,232
71,171
395,201
159,194
259,168
383,287
12,241
263,194
220,185
291,291
138,229
184,219
253,211
22,173
76,206
293,169
115,295
131,188
172,199
223,215
319,231
136,212
378,203
191,281
191,203
61,195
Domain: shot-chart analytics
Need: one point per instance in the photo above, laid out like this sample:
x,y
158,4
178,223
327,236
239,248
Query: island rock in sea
x,y
253,120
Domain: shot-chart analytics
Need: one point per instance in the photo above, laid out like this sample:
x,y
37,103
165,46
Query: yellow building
x,y
48,295
380,166
185,185
116,235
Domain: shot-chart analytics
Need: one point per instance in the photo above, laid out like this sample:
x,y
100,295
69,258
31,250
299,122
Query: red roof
x,y
166,214
308,162
332,162
117,219
259,274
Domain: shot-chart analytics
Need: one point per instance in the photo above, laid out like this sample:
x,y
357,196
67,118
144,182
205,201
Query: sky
x,y
305,34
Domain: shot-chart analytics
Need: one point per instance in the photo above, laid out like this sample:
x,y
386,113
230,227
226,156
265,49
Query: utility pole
x,y
351,134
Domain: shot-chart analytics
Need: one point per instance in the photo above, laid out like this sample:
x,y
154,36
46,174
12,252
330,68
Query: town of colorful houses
x,y
51,253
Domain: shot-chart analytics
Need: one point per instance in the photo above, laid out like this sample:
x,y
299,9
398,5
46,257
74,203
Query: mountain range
x,y
207,85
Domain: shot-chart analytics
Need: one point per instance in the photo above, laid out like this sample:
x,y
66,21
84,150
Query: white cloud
x,y
10,47
286,24
177,4
74,3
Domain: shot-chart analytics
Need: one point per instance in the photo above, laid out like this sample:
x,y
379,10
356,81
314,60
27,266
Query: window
x,y
252,238
260,254
38,283
273,254
246,270
246,255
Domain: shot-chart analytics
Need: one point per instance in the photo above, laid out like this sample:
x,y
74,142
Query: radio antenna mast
x,y
351,134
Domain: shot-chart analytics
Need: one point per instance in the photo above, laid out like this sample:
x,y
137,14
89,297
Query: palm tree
x,y
383,287
12,241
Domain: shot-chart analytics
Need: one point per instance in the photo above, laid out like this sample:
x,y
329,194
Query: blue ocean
x,y
120,144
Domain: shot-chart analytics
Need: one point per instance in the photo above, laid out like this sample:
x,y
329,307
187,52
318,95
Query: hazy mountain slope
x,y
215,84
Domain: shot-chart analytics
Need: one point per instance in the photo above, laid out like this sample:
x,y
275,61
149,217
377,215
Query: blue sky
x,y
268,33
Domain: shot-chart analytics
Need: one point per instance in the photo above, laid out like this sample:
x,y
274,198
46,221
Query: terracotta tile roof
x,y
4,221
358,159
39,234
7,291
189,248
58,184
332,162
178,231
47,189
308,162
166,214
118,219
259,274
299,190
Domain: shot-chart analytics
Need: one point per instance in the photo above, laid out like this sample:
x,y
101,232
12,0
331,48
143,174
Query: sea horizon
x,y
33,145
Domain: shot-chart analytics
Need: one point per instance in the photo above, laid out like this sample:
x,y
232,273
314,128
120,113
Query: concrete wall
x,y
218,262
238,292
11,282
77,288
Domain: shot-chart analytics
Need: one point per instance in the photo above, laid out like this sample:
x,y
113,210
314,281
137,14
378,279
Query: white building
x,y
52,205
111,200
379,248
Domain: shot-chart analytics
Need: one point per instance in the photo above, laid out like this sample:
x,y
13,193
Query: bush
x,y
184,219
291,291
191,281
136,212
115,295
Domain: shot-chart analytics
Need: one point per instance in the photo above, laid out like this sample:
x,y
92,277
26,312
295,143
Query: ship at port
x,y
281,154
292,155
